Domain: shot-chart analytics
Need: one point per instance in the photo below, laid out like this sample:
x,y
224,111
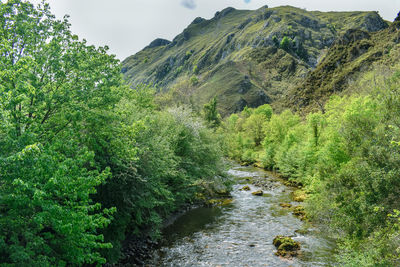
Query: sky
x,y
127,26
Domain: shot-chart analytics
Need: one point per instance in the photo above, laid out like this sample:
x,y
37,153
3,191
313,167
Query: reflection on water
x,y
191,222
241,233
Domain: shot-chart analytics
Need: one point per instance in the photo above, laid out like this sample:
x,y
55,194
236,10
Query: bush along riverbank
x,y
346,160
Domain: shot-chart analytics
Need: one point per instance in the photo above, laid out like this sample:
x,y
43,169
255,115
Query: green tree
x,y
56,96
211,114
48,217
254,128
265,110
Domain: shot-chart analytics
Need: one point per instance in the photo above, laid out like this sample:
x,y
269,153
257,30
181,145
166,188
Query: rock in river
x,y
246,188
258,193
298,211
285,205
286,246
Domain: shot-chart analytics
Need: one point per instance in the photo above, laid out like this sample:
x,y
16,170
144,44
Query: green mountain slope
x,y
351,55
245,58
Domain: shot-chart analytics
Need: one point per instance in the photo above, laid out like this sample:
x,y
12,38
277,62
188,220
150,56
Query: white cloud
x,y
191,4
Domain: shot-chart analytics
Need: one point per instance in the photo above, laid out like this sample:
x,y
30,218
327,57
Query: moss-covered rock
x,y
299,212
285,205
292,183
286,246
246,188
219,202
258,193
299,195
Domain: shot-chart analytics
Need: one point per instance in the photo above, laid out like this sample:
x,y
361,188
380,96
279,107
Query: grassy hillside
x,y
351,55
244,58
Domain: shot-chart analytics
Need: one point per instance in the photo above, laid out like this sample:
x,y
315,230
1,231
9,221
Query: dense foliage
x,y
84,160
176,157
347,159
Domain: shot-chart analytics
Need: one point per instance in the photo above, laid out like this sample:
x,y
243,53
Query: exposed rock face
x,y
398,17
244,24
351,36
198,20
224,12
244,85
158,42
373,22
239,106
308,22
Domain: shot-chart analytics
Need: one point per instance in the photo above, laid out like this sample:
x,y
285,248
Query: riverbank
x,y
137,250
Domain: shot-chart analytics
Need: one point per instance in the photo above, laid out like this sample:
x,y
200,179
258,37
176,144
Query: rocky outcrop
x,y
352,36
198,20
373,22
397,19
224,12
158,42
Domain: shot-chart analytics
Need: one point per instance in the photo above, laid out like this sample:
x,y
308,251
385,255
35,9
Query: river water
x,y
241,233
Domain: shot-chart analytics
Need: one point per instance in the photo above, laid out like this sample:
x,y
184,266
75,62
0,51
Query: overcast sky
x,y
127,26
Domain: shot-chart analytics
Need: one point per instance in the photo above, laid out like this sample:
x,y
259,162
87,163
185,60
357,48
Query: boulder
x,y
299,212
246,188
299,196
285,205
258,193
286,246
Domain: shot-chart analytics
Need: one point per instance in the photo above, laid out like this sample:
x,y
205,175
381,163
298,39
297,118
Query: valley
x,y
264,137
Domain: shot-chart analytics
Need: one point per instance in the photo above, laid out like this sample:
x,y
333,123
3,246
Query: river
x,y
241,233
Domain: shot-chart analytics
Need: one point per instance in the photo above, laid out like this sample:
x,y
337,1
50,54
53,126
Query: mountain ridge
x,y
243,57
